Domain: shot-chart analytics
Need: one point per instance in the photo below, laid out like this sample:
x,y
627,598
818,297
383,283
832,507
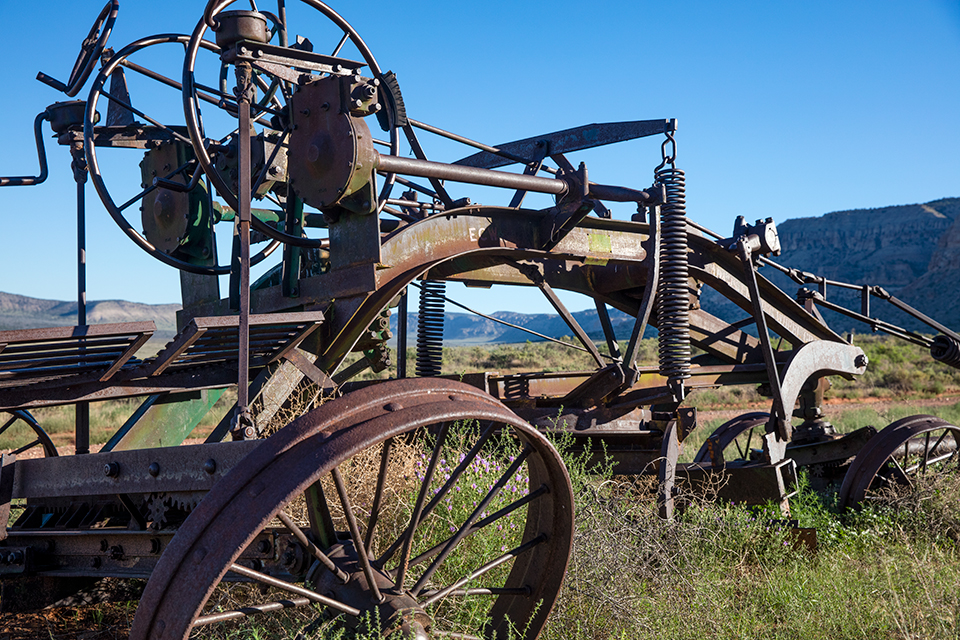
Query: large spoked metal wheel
x,y
905,450
20,434
404,513
738,435
270,115
173,228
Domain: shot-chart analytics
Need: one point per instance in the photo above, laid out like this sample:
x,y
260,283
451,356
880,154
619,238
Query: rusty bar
x,y
244,97
292,588
470,175
267,607
125,357
513,553
172,351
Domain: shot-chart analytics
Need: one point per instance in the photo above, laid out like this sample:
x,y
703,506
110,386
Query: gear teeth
x,y
392,87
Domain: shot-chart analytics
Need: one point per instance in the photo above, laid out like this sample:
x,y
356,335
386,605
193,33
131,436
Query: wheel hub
x,y
398,612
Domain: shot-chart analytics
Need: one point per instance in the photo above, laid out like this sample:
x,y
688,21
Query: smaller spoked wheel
x,y
22,435
901,454
421,506
734,439
176,213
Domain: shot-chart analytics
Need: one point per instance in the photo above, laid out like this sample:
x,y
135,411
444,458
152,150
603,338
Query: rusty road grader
x,y
305,149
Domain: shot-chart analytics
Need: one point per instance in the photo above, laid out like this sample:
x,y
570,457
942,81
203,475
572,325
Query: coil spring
x,y
673,296
430,328
946,350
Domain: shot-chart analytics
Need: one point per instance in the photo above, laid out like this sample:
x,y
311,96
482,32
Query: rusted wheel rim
x,y
298,456
728,433
910,447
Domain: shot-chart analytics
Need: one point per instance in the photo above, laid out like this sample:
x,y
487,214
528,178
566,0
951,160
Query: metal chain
x,y
670,158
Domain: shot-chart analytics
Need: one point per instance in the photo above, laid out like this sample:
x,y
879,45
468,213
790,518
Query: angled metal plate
x,y
585,137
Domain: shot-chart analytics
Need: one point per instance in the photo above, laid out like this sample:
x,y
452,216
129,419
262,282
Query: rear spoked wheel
x,y
421,505
901,454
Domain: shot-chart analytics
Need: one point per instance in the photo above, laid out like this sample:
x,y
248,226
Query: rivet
x,y
154,469
393,406
210,466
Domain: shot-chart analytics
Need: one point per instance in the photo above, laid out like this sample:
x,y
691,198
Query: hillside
x,y
912,251
23,312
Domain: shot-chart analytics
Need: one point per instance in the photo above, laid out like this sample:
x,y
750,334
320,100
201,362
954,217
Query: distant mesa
x,y
912,251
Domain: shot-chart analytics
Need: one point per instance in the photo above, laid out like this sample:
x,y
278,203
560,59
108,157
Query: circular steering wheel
x,y
90,51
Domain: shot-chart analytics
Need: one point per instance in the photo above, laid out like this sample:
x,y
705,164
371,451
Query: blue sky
x,y
785,109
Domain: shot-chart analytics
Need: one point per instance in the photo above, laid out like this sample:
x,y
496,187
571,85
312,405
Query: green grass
x,y
723,571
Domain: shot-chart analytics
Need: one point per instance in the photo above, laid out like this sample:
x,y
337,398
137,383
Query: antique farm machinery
x,y
319,142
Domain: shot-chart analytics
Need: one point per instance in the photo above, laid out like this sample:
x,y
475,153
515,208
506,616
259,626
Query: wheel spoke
x,y
126,105
935,460
925,453
480,524
7,424
355,535
482,591
465,527
266,607
26,446
418,508
312,548
292,588
496,562
378,494
900,472
343,41
442,492
940,441
153,187
162,79
736,443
